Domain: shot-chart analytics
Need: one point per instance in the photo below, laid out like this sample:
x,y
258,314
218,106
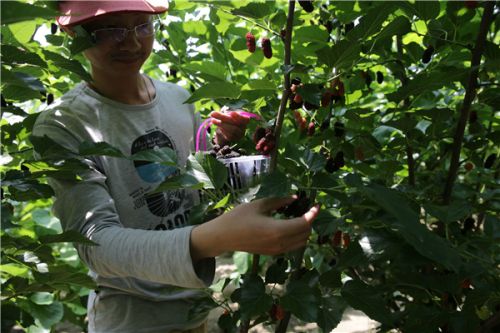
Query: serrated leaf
x,y
209,70
301,300
16,55
163,155
182,181
426,82
399,26
253,298
70,65
87,148
48,315
330,312
409,227
327,222
367,299
276,273
370,23
214,90
207,170
254,10
342,55
16,11
275,184
450,213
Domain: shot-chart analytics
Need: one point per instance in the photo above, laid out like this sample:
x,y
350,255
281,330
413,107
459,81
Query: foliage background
x,y
415,258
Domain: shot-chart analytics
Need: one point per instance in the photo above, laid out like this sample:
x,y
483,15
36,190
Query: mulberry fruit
x,y
266,48
250,42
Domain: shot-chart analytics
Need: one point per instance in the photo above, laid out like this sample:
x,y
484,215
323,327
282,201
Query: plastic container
x,y
245,171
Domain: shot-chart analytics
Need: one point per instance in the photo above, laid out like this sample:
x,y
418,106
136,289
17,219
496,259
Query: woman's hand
x,y
231,125
251,228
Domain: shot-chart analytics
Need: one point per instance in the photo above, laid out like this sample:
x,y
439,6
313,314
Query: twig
x,y
406,102
470,94
246,19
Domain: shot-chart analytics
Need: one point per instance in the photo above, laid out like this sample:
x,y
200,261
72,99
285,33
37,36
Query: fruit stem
x,y
470,94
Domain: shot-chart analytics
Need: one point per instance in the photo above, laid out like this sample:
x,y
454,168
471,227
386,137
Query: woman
x,y
149,262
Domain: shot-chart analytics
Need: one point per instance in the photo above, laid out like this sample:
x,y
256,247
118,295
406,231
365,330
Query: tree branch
x,y
406,103
245,325
470,94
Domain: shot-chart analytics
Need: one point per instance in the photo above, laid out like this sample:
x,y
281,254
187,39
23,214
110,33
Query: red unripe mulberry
x,y
311,128
337,238
266,48
250,42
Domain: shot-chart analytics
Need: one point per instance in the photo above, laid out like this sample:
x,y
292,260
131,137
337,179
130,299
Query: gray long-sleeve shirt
x,y
143,258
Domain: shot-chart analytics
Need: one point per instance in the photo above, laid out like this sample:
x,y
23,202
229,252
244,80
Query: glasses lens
x,y
115,35
145,30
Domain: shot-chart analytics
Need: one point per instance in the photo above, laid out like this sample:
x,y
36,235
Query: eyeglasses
x,y
118,35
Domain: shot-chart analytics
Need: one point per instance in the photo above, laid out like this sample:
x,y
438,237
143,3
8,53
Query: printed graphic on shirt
x,y
160,204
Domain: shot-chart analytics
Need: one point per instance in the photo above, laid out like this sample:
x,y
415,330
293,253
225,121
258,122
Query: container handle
x,y
201,134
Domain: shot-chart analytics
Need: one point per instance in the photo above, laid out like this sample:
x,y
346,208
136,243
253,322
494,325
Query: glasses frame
x,y
126,31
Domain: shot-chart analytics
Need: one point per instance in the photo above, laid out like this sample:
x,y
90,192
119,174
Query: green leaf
x,y
455,211
163,155
215,90
182,181
72,236
310,33
48,315
30,190
370,23
327,222
427,10
301,300
330,312
409,227
87,148
342,55
207,170
254,10
14,269
70,65
427,82
253,298
223,202
14,11
16,55
209,70
367,299
262,84
399,26
275,184
276,273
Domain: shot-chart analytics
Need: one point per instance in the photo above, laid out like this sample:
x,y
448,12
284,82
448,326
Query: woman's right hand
x,y
251,228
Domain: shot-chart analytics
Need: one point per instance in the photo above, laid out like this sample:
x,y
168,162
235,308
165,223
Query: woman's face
x,y
110,56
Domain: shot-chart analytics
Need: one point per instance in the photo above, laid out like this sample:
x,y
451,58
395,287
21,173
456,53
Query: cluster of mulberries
x,y
264,140
226,151
265,43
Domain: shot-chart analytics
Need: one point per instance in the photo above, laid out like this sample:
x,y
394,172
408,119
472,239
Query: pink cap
x,y
77,12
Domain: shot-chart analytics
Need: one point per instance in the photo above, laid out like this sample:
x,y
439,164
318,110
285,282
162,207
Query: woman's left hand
x,y
231,125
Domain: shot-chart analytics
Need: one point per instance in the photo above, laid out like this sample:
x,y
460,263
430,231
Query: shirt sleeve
x,y
87,206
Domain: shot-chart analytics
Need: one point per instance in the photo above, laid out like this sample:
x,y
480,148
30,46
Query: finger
x,y
230,132
267,205
311,214
231,117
